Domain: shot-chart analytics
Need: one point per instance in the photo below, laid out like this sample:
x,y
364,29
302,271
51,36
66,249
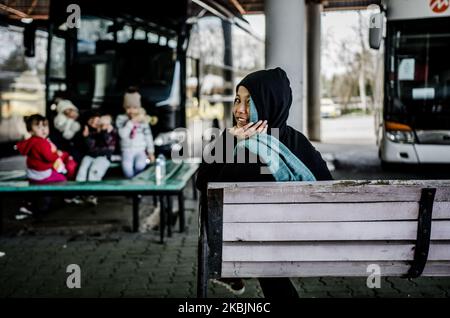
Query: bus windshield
x,y
418,72
110,57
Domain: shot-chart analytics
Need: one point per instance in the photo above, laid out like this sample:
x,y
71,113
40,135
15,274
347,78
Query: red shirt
x,y
39,153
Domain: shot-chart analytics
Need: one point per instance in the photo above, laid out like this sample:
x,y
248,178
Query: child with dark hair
x,y
45,163
100,139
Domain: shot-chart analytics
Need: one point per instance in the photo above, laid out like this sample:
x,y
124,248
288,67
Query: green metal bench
x,y
177,177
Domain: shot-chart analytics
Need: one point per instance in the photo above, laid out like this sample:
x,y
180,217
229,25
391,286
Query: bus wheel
x,y
387,166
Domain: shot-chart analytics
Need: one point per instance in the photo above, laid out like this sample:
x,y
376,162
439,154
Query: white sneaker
x,y
75,200
235,285
20,217
152,221
25,210
92,200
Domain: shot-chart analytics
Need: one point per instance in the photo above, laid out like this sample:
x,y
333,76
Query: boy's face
x,y
132,111
71,113
94,122
105,120
40,129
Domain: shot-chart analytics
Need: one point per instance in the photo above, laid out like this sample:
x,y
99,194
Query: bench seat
x,y
177,177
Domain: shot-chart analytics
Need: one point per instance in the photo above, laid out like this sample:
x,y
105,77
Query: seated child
x,y
66,120
100,138
45,163
67,128
136,139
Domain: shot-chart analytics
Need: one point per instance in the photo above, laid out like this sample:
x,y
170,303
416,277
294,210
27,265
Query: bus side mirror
x,y
375,30
29,38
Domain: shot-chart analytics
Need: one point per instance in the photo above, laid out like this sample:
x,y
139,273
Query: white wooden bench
x,y
327,228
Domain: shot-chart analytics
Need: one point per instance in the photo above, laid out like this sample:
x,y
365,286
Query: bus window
x,y
162,40
22,84
421,74
152,37
93,29
125,34
140,34
58,58
172,43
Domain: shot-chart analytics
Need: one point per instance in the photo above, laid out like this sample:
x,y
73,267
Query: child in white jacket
x,y
136,139
66,120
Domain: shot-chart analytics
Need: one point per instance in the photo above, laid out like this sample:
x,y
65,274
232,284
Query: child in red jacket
x,y
45,163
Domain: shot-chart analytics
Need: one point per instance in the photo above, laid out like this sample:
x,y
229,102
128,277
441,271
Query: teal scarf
x,y
282,163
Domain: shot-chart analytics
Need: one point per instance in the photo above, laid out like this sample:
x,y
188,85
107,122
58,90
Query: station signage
x,y
417,9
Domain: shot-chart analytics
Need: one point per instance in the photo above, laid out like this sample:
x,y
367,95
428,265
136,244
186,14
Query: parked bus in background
x,y
414,124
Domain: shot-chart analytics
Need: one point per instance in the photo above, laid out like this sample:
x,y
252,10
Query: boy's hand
x,y
139,118
53,147
151,157
58,164
86,131
108,127
249,130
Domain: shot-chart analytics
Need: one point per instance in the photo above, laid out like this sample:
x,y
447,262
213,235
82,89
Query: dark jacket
x,y
272,95
101,143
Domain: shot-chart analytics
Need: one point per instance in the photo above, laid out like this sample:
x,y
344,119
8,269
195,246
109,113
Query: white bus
x,y
415,119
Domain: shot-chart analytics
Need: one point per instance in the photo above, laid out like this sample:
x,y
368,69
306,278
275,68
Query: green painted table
x,y
177,177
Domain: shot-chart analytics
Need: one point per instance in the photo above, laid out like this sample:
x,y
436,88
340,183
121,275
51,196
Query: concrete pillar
x,y
285,47
313,73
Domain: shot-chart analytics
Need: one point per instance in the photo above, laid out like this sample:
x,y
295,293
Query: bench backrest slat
x,y
301,212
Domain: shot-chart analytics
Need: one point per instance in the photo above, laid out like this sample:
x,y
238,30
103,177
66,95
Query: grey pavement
x,y
117,263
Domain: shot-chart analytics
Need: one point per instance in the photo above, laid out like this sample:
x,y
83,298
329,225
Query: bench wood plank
x,y
298,251
325,269
330,191
331,231
320,212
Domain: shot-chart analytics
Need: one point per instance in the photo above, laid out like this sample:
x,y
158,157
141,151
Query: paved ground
x,y
117,263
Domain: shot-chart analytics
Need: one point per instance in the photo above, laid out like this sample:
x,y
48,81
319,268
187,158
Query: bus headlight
x,y
401,133
406,137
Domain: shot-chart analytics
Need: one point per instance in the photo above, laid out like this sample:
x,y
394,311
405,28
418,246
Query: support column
x,y
313,10
285,46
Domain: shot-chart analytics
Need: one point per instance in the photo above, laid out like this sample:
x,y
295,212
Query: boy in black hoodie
x,y
271,93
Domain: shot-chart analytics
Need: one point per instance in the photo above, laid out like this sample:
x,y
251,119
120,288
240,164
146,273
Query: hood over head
x,y
64,105
271,93
26,145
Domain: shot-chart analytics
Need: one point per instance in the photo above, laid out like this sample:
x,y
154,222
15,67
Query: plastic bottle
x,y
160,169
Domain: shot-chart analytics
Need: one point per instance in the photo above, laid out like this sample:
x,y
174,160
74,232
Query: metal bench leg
x,y
169,215
162,218
1,215
181,210
202,261
136,201
194,189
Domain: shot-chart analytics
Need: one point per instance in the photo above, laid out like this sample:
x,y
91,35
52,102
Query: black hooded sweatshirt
x,y
272,95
